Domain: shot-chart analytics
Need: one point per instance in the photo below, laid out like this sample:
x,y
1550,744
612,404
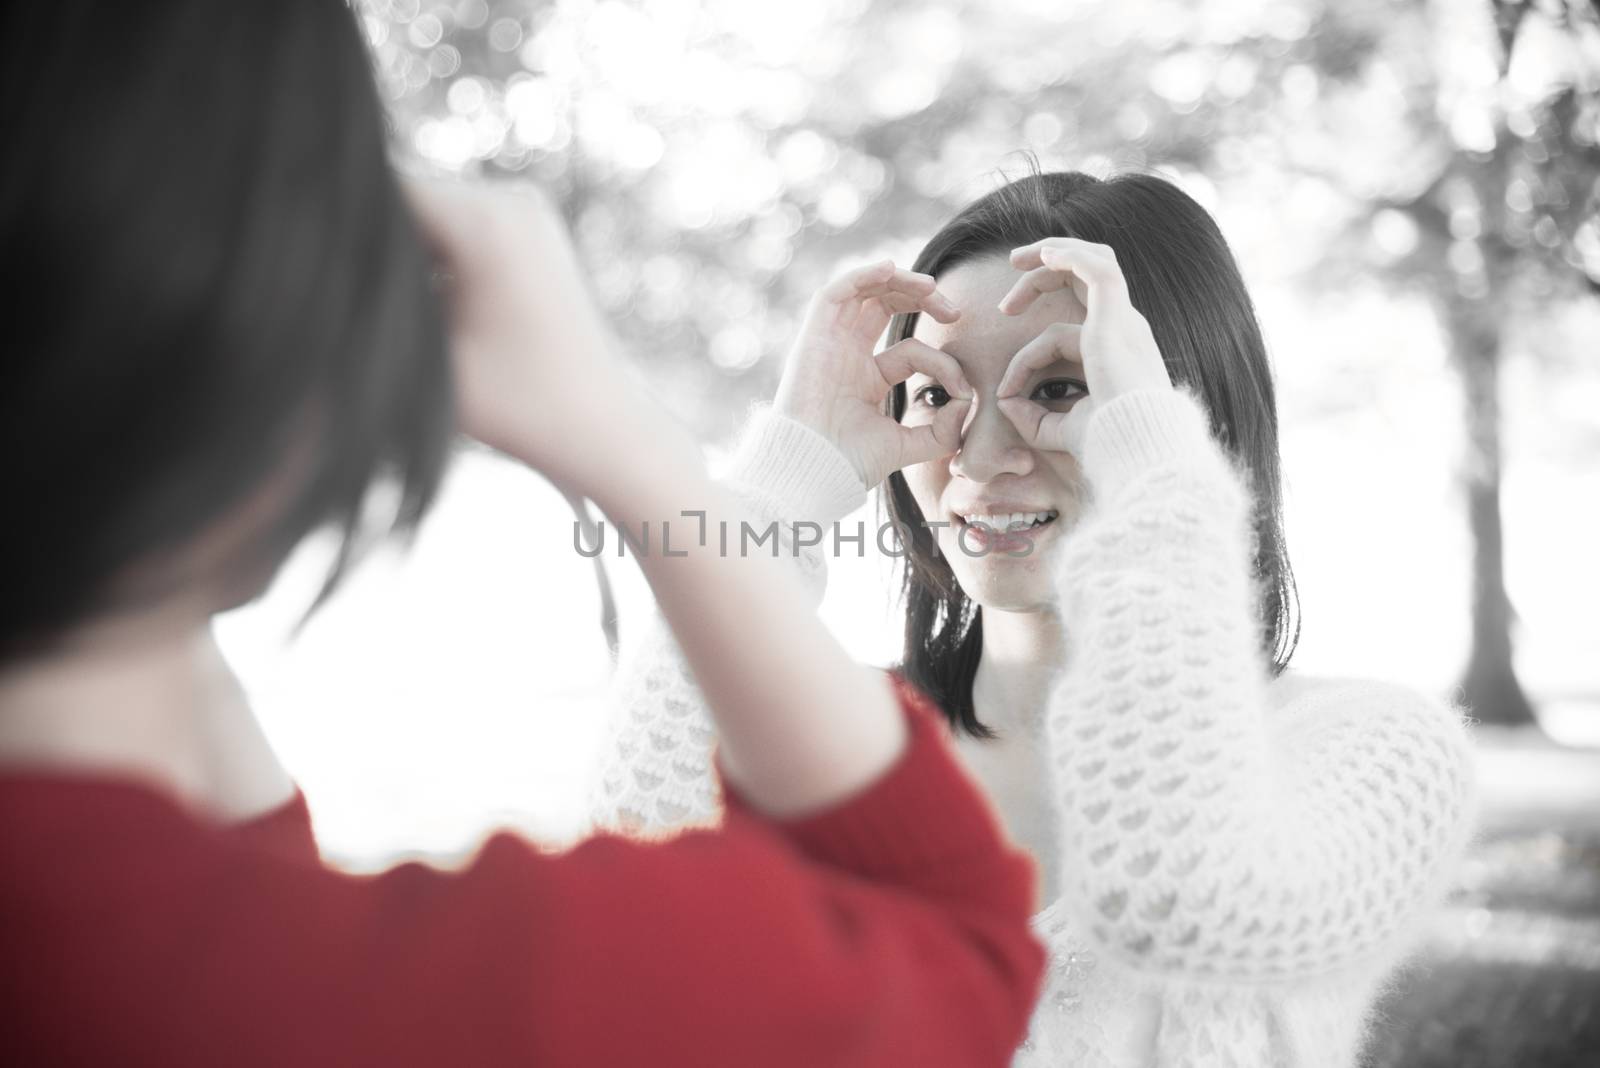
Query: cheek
x,y
927,482
1064,468
1070,487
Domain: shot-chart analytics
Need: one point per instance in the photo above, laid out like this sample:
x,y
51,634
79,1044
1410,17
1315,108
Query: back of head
x,y
225,318
1183,278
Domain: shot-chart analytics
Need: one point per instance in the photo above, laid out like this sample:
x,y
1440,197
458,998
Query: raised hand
x,y
538,374
1114,342
834,383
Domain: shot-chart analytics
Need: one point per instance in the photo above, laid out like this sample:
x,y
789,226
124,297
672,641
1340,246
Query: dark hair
x,y
1183,279
228,301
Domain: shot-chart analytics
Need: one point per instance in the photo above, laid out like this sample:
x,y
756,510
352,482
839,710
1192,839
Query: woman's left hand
x,y
1114,343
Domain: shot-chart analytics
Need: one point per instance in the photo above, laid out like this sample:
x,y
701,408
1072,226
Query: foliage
x,y
720,159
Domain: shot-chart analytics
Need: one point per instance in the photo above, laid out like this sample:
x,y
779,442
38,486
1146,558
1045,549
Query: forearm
x,y
1160,713
655,762
1205,832
801,724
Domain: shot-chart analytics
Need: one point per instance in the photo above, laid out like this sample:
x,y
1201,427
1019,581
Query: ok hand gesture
x,y
1114,343
834,384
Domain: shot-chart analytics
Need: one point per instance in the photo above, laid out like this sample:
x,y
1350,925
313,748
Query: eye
x,y
932,397
1060,391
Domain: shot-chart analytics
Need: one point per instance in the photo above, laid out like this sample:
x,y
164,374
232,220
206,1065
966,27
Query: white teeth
x,y
1009,521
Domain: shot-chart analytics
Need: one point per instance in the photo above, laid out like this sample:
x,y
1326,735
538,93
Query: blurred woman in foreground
x,y
230,336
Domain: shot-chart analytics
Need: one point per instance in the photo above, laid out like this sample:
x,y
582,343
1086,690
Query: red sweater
x,y
889,930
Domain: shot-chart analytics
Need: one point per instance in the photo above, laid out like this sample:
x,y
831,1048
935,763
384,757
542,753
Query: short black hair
x,y
216,286
1182,277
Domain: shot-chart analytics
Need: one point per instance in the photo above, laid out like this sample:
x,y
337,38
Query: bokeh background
x,y
1413,190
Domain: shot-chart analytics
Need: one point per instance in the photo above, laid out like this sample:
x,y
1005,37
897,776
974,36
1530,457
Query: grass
x,y
1510,975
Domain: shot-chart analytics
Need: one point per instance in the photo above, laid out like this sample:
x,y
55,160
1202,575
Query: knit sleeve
x,y
1200,836
655,764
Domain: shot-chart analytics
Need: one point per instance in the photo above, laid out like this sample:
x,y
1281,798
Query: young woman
x,y
1081,451
231,337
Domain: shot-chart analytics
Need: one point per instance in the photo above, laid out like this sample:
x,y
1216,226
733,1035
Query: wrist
x,y
794,469
1144,428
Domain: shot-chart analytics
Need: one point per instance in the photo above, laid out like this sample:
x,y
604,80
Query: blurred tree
x,y
1513,116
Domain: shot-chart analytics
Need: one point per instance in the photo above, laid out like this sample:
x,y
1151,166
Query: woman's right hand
x,y
833,383
538,374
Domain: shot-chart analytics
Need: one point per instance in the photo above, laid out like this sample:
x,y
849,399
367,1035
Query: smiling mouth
x,y
1010,523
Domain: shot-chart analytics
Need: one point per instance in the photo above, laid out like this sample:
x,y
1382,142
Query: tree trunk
x,y
1489,683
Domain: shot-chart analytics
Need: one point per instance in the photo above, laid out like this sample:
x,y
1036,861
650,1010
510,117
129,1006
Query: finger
x,y
1025,415
1075,425
1030,256
1086,266
901,282
1096,265
929,441
1047,430
1039,427
1026,257
844,287
935,304
876,279
861,296
1031,286
901,360
940,307
949,422
1058,341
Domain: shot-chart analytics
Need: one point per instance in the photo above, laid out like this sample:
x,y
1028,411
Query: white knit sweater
x,y
1241,860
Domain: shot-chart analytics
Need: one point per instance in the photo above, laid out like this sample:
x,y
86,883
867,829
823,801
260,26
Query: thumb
x,y
919,444
1047,430
1075,426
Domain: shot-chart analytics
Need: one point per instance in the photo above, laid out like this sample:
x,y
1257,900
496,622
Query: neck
x,y
145,698
1023,652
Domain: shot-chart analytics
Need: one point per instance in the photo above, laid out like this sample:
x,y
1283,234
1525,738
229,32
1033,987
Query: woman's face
x,y
995,481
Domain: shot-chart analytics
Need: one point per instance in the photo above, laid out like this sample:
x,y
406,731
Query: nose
x,y
991,446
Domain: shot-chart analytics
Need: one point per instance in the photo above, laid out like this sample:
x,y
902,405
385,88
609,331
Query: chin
x,y
1014,597
1007,583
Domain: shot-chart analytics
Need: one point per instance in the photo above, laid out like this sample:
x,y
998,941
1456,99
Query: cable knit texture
x,y
655,773
1242,859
